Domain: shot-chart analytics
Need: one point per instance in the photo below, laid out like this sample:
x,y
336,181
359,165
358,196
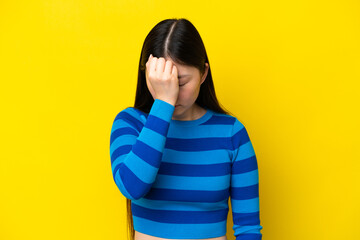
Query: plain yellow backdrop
x,y
289,70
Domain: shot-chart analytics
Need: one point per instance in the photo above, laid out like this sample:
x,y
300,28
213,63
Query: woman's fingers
x,y
160,66
162,80
152,64
168,68
174,71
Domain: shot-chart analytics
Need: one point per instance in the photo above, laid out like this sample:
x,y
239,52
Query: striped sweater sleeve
x,y
136,149
244,192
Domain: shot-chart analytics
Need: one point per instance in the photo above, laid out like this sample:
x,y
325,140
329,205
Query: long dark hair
x,y
179,40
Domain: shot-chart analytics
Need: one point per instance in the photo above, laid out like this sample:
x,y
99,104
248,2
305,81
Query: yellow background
x,y
289,70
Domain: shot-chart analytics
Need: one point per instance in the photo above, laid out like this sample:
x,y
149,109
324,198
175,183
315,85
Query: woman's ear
x,y
205,73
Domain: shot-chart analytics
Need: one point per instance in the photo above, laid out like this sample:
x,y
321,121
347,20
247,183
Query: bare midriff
x,y
142,236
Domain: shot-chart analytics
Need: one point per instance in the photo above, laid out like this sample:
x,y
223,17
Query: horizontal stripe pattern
x,y
180,175
180,205
187,195
178,230
216,183
182,217
195,170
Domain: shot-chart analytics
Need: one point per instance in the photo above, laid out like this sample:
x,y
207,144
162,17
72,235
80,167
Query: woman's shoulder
x,y
225,118
131,113
233,122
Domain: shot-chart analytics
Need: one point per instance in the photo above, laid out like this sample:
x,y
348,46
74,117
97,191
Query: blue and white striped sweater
x,y
179,175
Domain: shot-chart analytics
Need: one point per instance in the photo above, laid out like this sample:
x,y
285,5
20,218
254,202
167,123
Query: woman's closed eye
x,y
182,85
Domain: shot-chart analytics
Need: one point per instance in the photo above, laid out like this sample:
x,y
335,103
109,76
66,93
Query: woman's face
x,y
190,81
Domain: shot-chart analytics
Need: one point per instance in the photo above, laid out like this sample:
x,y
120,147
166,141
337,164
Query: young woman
x,y
177,156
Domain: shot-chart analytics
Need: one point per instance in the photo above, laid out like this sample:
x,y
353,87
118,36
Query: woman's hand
x,y
162,79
